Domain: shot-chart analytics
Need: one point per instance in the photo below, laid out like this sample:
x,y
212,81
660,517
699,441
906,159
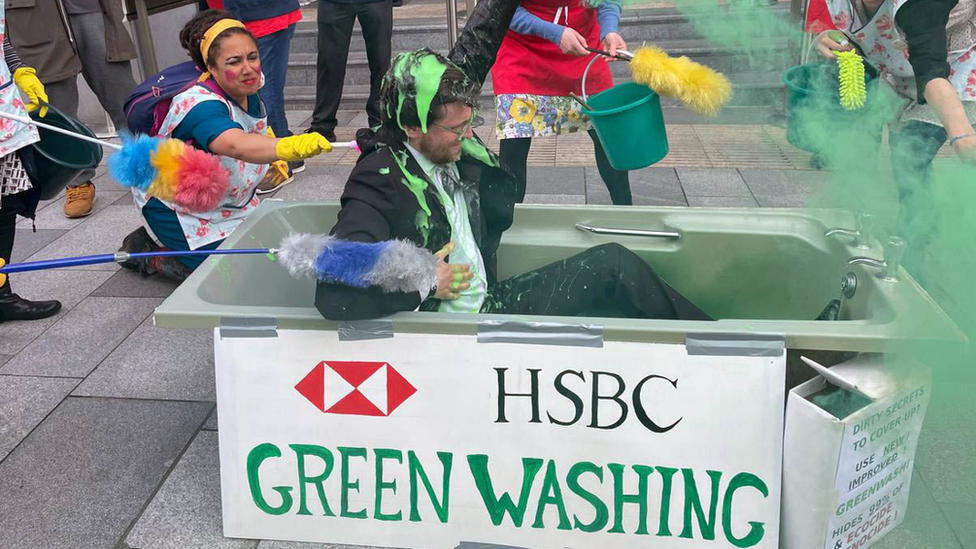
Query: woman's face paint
x,y
238,70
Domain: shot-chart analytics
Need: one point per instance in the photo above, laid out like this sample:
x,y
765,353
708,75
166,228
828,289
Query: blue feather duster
x,y
131,167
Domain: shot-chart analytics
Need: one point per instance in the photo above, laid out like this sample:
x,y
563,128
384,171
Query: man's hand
x,y
613,42
572,42
452,279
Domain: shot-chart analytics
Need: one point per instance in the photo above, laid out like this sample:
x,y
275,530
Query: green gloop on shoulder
x,y
477,150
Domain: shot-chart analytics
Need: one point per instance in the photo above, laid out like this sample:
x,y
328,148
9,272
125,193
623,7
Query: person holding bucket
x,y
222,115
926,50
540,63
18,192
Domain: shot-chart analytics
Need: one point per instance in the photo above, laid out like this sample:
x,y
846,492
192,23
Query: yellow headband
x,y
214,31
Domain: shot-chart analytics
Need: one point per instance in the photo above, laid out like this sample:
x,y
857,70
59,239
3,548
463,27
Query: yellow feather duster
x,y
701,88
166,160
850,67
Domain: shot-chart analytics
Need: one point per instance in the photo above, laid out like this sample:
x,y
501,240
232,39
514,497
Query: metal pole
x,y
149,64
452,23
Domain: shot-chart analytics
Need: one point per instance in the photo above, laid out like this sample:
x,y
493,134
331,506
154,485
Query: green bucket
x,y
629,122
59,158
813,105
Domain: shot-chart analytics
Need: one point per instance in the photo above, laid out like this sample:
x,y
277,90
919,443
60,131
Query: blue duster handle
x,y
120,256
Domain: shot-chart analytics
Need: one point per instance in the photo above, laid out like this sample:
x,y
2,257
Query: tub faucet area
x,y
894,250
864,224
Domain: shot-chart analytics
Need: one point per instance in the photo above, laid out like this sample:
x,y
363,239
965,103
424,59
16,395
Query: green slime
x,y
478,151
417,186
422,70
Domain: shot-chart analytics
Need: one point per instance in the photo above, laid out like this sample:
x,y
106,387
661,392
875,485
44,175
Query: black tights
x,y
514,154
8,226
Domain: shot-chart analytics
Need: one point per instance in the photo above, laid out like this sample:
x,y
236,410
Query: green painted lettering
x,y
667,473
255,457
497,507
693,503
345,453
381,454
552,494
416,470
600,508
756,530
302,450
619,498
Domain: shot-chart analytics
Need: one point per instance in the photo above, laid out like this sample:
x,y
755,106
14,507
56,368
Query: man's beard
x,y
438,155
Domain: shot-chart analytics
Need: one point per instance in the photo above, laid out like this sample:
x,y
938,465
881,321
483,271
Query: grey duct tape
x,y
540,333
735,345
356,330
258,326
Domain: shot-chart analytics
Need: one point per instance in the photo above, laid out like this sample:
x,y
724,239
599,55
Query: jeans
x,y
274,63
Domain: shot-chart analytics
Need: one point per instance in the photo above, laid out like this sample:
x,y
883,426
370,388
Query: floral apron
x,y
885,46
13,135
202,228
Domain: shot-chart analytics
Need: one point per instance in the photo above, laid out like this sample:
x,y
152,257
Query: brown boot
x,y
78,200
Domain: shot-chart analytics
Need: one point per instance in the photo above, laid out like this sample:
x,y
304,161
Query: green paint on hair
x,y
417,75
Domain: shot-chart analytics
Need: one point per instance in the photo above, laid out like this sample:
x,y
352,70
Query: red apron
x,y
533,65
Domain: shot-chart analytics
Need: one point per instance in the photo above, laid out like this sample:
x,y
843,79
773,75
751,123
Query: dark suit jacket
x,y
377,206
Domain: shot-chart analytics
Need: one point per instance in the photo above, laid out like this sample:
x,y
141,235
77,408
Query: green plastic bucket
x,y
813,105
60,158
629,122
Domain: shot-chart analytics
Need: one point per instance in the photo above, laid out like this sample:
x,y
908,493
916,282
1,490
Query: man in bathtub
x,y
425,178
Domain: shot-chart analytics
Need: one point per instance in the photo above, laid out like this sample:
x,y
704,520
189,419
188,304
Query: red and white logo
x,y
355,388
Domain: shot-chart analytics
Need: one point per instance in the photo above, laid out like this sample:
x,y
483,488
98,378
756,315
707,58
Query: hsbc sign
x,y
431,440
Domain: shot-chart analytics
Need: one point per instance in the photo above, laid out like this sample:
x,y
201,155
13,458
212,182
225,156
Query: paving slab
x,y
317,182
69,287
99,234
962,519
125,200
781,200
649,186
82,476
785,181
597,194
157,363
77,342
25,402
924,528
185,513
126,283
27,242
545,180
52,215
947,444
4,359
275,544
712,182
722,202
555,199
211,424
298,119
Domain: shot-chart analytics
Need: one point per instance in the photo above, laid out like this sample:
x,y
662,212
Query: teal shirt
x,y
208,119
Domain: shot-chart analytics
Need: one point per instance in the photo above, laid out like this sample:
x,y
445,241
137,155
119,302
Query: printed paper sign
x,y
875,470
431,440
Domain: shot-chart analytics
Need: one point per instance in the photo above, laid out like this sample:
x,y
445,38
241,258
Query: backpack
x,y
148,104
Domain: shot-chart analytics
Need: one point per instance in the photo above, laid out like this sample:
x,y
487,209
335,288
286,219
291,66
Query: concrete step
x,y
301,66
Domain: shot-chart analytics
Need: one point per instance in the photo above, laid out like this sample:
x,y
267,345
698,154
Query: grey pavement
x,y
107,423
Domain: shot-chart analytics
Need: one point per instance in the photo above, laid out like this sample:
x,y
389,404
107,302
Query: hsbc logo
x,y
355,388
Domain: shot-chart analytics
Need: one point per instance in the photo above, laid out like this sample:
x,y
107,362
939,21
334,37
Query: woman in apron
x,y
18,193
926,50
222,115
540,62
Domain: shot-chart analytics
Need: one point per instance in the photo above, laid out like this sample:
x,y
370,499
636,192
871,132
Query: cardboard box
x,y
846,480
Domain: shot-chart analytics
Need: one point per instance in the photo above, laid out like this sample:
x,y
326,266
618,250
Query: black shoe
x,y
14,307
297,167
397,3
329,135
138,241
831,311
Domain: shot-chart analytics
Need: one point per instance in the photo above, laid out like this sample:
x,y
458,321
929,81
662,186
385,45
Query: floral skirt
x,y
526,115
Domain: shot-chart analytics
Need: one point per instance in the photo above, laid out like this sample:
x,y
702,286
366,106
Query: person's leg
x,y
166,226
913,147
111,81
12,306
63,95
274,64
335,22
617,182
513,153
8,228
607,280
376,19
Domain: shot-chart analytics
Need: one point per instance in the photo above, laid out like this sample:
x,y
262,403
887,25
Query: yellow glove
x,y
302,146
278,172
26,80
3,276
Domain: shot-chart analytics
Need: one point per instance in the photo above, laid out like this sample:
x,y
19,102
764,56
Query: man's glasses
x,y
475,122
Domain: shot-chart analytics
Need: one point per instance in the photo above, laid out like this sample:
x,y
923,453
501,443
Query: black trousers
x,y
8,226
335,22
514,154
607,280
